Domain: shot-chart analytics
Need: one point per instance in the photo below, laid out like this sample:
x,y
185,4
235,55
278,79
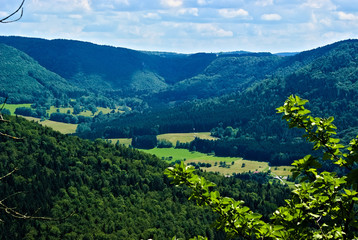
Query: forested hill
x,y
156,78
118,72
114,192
105,68
326,76
22,78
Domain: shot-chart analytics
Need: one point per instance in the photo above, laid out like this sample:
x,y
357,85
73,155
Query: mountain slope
x,y
24,80
115,192
164,77
105,68
226,74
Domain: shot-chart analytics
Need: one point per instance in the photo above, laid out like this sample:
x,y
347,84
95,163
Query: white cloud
x,y
151,15
202,2
232,13
326,21
209,30
172,3
75,16
347,16
112,4
125,2
60,5
3,14
191,11
320,4
264,3
271,17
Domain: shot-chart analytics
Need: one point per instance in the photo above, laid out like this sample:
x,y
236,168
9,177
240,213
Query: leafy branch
x,y
323,205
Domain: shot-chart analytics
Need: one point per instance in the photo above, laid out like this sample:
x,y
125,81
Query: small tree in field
x,y
323,205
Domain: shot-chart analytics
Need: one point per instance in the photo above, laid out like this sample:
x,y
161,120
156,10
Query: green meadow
x,y
233,165
172,137
173,154
125,141
65,128
53,109
85,113
12,107
185,137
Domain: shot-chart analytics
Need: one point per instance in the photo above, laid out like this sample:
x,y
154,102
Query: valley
x,y
118,118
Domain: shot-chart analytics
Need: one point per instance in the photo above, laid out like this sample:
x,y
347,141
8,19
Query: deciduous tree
x,y
323,205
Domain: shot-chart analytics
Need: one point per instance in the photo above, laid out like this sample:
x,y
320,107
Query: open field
x,y
53,109
282,170
85,113
65,128
12,107
172,154
185,137
239,165
172,137
125,141
185,155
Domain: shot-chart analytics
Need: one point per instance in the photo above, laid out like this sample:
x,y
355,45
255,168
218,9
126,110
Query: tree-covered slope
x,y
226,74
115,192
117,72
24,80
105,68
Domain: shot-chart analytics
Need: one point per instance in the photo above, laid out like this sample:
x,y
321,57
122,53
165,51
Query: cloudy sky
x,y
189,26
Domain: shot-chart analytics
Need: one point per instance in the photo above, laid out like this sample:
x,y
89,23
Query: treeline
x,y
69,118
269,150
115,192
57,116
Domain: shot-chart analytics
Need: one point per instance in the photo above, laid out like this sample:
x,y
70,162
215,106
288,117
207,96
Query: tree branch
x,y
20,8
12,212
9,136
1,178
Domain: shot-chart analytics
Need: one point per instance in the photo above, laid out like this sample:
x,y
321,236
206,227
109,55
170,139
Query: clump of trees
x,y
144,141
322,206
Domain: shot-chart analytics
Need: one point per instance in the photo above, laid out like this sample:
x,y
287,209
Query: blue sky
x,y
189,26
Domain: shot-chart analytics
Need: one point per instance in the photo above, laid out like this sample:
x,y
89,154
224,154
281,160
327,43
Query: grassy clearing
x,y
85,113
185,155
65,128
125,141
12,107
185,137
236,165
171,154
54,109
282,171
172,137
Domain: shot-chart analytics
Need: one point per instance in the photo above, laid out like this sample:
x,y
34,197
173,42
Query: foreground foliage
x,y
322,206
114,192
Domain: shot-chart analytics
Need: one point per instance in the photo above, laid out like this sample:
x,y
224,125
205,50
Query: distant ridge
x,y
156,77
286,54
